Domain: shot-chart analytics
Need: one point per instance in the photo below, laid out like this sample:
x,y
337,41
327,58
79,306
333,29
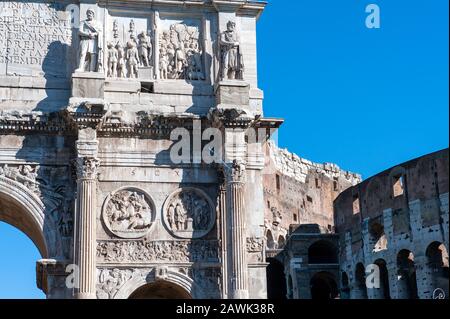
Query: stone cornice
x,y
124,124
49,123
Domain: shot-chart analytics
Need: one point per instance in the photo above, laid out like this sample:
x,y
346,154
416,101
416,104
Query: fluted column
x,y
235,180
222,212
85,241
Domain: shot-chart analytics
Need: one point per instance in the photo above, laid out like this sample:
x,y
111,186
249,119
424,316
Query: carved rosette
x,y
128,213
189,213
87,167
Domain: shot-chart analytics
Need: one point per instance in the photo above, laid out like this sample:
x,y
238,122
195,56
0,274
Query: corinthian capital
x,y
87,167
235,172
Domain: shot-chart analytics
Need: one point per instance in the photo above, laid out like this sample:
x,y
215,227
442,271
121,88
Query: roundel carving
x,y
128,212
189,213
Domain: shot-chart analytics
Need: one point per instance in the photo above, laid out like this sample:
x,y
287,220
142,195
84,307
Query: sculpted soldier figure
x,y
113,57
90,34
232,60
121,65
132,59
145,48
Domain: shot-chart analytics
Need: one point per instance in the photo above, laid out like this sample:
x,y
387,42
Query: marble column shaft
x,y
236,212
86,227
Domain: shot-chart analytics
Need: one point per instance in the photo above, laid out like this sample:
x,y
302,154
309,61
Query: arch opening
x,y
360,289
377,236
160,290
276,280
270,242
15,214
323,286
18,263
281,242
438,266
383,292
345,287
407,285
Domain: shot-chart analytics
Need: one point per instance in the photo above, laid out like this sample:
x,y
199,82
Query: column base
x,y
239,294
85,295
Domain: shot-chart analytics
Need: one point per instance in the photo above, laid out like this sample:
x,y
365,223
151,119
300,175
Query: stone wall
x,y
398,220
298,191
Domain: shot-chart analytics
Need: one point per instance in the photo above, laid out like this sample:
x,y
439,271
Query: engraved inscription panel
x,y
35,38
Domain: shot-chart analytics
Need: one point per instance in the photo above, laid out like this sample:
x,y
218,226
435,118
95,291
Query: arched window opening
x,y
407,285
323,286
383,292
276,280
360,289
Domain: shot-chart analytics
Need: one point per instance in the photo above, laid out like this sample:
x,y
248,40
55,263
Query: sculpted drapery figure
x,y
90,34
231,55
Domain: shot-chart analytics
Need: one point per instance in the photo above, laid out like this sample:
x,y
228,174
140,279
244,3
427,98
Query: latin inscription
x,y
34,35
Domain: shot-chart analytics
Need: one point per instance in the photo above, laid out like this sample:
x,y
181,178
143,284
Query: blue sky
x,y
366,99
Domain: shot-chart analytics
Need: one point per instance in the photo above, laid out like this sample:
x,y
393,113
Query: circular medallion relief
x,y
189,213
128,212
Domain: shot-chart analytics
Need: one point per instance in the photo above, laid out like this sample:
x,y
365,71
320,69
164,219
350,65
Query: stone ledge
x,y
182,87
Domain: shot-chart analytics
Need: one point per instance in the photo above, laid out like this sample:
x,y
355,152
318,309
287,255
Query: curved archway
x,y
322,252
438,266
383,292
23,211
160,290
377,237
171,278
323,286
281,242
18,264
345,288
407,285
276,280
270,242
360,288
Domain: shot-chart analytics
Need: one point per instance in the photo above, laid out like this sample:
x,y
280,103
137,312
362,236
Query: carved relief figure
x,y
145,251
128,213
132,59
110,281
189,213
232,63
113,57
121,65
134,51
90,34
145,49
180,53
163,64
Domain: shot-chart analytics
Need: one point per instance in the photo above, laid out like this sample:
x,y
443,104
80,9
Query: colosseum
x,y
135,153
327,231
